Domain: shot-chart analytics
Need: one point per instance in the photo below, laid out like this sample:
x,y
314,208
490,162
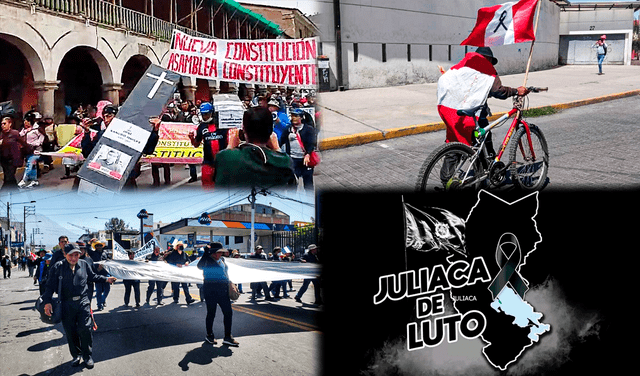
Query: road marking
x,y
268,316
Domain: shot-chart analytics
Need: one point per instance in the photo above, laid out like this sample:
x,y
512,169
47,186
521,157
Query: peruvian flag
x,y
464,86
508,23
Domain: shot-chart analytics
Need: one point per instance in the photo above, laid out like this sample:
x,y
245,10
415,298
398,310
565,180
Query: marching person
x,y
12,146
299,140
42,271
158,285
102,288
6,266
216,291
76,314
179,258
212,139
310,257
131,284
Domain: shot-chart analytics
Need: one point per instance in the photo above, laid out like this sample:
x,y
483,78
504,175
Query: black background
x,y
589,246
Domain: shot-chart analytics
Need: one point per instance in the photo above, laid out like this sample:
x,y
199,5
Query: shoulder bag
x,y
56,307
314,157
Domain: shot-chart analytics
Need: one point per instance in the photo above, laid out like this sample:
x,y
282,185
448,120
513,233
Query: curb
x,y
369,137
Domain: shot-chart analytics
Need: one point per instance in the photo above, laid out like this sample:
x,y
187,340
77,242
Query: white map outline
x,y
524,261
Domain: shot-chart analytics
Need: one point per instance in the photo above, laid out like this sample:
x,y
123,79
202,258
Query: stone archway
x,y
81,75
20,71
131,74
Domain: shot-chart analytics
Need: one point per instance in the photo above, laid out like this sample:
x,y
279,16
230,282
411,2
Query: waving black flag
x,y
434,229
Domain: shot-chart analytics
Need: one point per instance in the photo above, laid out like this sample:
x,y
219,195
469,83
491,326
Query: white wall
x,y
439,25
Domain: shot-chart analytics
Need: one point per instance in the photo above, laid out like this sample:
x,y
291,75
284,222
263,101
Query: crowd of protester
x,y
274,152
78,293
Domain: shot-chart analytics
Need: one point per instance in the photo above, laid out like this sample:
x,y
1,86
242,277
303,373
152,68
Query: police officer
x,y
76,314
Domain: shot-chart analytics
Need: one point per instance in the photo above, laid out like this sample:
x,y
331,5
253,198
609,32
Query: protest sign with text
x,y
288,62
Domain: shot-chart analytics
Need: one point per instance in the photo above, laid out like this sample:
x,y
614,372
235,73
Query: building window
x,y
408,52
384,52
238,240
355,52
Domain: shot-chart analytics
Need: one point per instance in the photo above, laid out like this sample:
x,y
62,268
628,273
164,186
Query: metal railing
x,y
106,13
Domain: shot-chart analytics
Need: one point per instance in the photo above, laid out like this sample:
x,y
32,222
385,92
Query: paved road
x,y
590,147
276,338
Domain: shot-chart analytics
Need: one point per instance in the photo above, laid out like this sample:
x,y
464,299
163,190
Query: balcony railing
x,y
106,13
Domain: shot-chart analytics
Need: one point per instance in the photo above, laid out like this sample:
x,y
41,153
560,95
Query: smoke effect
x,y
569,326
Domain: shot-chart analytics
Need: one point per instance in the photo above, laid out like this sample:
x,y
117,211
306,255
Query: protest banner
x,y
174,145
289,62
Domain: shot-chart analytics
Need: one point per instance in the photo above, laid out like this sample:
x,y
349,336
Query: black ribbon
x,y
508,265
503,16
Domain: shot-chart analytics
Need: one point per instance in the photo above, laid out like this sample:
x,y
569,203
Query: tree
x,y
115,224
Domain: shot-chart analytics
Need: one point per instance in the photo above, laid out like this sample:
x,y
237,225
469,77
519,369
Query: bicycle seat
x,y
469,111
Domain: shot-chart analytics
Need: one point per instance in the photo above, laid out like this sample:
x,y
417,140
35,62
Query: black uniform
x,y
76,313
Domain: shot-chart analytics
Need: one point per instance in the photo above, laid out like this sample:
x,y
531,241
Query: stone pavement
x,y
360,116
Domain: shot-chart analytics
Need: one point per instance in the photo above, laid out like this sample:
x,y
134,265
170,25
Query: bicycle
x,y
457,166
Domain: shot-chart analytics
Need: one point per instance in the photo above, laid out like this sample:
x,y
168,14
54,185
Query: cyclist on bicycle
x,y
466,85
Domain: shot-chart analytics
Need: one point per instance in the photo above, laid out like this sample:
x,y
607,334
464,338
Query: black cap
x,y
486,52
110,109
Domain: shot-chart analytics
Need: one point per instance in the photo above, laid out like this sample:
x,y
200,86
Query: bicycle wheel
x,y
450,167
529,171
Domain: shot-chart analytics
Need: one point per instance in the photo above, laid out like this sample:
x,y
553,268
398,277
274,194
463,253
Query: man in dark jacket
x,y
11,152
300,140
158,285
310,257
76,314
179,258
102,289
6,266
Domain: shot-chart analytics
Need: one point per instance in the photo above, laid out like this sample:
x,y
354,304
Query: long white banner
x,y
288,62
240,271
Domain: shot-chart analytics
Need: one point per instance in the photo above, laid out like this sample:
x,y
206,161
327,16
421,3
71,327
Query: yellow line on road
x,y
268,316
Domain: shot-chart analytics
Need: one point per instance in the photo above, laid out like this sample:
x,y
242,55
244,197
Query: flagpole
x,y
535,31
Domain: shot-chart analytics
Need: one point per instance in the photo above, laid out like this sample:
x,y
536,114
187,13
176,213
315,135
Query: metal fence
x,y
297,241
106,13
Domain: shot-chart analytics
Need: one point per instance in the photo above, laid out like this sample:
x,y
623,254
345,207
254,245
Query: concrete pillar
x,y
213,87
111,92
46,91
190,92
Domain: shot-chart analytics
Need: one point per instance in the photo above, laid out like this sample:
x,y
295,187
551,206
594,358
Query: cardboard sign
x,y
127,134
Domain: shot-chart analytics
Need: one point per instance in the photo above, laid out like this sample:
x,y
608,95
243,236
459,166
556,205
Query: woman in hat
x,y
601,47
216,291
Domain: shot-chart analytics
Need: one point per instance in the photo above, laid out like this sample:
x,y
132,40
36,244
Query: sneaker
x,y
34,183
22,184
160,303
298,299
76,361
190,301
211,339
230,341
89,362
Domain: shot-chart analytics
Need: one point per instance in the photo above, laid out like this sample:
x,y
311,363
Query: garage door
x,y
577,49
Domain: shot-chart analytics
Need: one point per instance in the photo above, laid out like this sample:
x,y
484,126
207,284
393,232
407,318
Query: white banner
x,y
119,253
240,271
287,62
147,249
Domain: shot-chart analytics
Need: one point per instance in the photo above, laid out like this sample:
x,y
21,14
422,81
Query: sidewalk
x,y
360,116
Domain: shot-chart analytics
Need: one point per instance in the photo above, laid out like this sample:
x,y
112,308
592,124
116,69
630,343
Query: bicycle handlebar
x,y
534,89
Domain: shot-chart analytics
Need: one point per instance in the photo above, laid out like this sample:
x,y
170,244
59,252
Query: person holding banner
x,y
102,289
158,285
216,291
179,258
131,284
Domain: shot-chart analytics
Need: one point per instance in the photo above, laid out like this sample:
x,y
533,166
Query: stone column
x,y
46,91
111,92
213,87
190,92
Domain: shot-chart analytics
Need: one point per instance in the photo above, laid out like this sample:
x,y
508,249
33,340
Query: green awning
x,y
232,5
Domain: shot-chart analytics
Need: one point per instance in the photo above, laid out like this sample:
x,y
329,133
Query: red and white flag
x,y
506,23
465,85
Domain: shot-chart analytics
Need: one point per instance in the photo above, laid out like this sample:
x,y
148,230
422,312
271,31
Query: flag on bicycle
x,y
434,229
501,24
465,85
